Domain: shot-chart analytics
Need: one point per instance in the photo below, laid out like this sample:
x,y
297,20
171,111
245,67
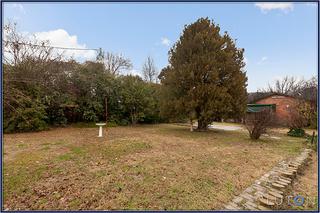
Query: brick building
x,y
283,104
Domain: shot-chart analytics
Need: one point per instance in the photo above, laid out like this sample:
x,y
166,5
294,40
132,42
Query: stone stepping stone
x,y
263,208
237,200
278,185
266,202
249,190
247,197
284,180
269,197
258,187
228,207
275,190
271,187
286,173
293,167
294,164
291,170
251,206
275,194
232,206
282,183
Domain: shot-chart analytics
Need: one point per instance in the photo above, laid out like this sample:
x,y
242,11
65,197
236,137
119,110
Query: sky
x,y
279,38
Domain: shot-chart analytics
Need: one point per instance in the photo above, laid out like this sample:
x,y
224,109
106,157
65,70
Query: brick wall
x,y
283,105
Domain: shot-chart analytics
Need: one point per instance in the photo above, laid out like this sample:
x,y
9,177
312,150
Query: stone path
x,y
268,193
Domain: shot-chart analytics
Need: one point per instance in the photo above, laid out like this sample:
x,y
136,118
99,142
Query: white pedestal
x,y
100,132
100,135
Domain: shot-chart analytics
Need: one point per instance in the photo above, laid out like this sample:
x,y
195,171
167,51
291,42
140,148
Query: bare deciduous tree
x,y
19,48
299,115
287,86
149,70
116,63
258,122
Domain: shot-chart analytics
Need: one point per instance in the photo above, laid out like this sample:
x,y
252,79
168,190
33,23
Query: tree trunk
x,y
191,125
202,124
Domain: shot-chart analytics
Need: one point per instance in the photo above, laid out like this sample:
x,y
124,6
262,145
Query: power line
x,y
56,47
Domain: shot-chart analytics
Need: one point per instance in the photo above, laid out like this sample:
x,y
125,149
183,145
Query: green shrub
x,y
85,125
112,124
124,122
90,116
296,132
31,118
56,116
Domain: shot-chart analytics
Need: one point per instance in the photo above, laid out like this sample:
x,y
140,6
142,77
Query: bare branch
x,y
116,63
149,70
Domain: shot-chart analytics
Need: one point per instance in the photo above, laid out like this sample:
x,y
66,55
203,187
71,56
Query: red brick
x,y
283,105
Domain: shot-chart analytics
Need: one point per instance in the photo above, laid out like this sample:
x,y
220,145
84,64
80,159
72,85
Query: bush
x,y
112,124
297,116
89,116
85,125
258,122
314,121
296,132
124,122
31,118
56,116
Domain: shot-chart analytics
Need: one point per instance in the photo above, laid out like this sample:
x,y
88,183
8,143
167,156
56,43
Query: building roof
x,y
253,97
259,107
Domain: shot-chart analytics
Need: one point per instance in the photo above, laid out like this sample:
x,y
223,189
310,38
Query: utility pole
x,y
100,56
106,105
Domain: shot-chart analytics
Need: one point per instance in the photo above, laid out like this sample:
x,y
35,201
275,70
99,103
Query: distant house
x,y
280,104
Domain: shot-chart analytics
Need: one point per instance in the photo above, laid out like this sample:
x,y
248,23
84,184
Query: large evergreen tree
x,y
205,79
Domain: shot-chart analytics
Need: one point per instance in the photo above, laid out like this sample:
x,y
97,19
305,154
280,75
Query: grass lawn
x,y
144,167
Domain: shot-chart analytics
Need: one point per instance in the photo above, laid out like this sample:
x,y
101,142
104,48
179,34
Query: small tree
x,y
258,122
288,85
149,70
115,64
298,118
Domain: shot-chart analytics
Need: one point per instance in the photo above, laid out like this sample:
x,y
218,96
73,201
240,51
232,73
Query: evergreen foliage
x,y
205,79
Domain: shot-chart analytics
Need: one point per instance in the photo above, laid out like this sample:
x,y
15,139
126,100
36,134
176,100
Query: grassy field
x,y
144,167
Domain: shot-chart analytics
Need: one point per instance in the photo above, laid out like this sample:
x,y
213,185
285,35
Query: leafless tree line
x,y
289,85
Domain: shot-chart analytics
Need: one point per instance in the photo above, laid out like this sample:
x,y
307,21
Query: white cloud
x,y
245,60
61,38
165,41
19,7
263,59
281,77
134,72
265,7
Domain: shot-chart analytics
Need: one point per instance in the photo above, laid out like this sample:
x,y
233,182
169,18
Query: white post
x,y
100,128
100,131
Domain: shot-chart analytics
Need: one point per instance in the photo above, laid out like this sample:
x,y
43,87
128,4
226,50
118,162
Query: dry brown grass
x,y
144,167
307,186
